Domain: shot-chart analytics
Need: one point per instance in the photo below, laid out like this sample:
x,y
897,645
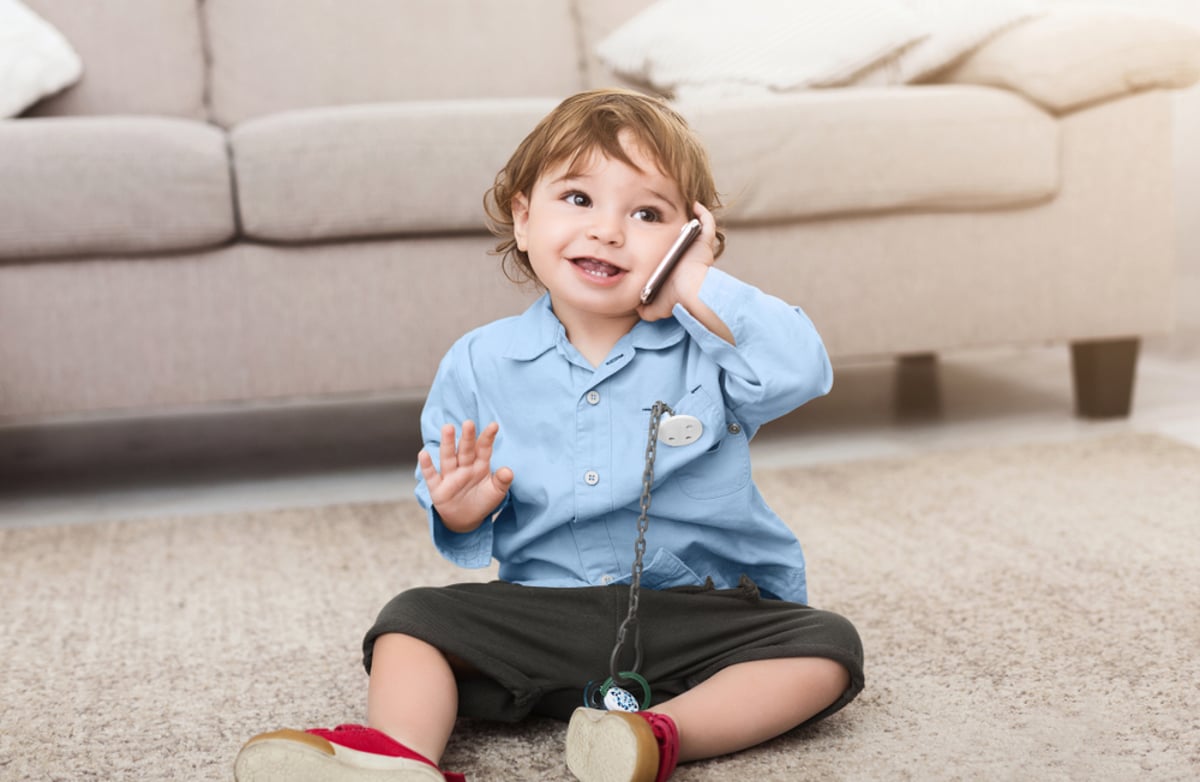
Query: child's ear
x,y
520,213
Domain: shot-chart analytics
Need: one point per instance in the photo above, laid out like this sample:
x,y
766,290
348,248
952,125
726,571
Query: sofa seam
x,y
206,54
234,192
581,50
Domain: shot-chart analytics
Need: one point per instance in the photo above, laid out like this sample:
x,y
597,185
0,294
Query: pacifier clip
x,y
613,694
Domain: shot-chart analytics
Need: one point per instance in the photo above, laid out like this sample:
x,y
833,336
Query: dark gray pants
x,y
536,649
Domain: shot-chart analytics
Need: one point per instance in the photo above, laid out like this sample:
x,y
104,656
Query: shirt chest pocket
x,y
722,470
723,467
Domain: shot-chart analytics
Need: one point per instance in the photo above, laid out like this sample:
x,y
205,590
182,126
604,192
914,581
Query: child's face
x,y
594,237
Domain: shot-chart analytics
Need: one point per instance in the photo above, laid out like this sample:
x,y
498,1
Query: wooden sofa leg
x,y
1103,372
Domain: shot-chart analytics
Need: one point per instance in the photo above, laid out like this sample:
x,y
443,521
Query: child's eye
x,y
576,198
647,214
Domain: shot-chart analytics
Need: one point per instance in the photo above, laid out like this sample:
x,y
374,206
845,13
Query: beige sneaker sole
x,y
296,756
611,746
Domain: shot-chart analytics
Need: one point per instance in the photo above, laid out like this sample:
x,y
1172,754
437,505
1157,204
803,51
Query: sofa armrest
x,y
1073,57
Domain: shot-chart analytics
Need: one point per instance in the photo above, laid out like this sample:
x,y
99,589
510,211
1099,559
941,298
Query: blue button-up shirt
x,y
575,438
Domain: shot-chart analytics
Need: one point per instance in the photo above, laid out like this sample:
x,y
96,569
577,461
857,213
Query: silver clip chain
x,y
639,553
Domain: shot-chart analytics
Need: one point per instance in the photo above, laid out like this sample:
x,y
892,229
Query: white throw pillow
x,y
730,46
1080,54
35,59
956,27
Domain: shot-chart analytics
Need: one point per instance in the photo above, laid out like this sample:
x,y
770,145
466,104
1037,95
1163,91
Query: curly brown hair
x,y
592,122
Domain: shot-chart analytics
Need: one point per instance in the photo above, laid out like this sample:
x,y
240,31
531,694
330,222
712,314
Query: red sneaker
x,y
348,753
621,746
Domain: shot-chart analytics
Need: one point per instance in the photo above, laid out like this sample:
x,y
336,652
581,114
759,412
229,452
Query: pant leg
x,y
537,649
691,634
528,643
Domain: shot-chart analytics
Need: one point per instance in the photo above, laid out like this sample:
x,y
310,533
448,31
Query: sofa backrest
x,y
139,57
598,18
233,60
273,55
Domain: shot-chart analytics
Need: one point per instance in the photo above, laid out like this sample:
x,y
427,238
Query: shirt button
x,y
591,477
735,428
593,397
606,579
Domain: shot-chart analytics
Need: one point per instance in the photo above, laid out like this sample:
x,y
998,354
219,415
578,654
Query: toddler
x,y
536,437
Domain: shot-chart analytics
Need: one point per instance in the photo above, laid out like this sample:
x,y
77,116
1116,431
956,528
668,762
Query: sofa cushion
x,y
139,57
1076,56
276,55
404,168
246,322
423,167
99,185
792,157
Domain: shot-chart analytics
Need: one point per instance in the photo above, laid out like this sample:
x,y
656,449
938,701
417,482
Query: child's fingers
x,y
502,479
708,226
487,440
425,462
447,451
466,446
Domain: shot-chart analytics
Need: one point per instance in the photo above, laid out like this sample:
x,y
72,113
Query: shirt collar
x,y
538,329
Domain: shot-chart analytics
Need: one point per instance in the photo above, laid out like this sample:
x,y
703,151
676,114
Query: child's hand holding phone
x,y
680,275
687,235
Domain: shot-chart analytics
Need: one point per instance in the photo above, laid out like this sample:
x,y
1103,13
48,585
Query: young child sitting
x,y
552,488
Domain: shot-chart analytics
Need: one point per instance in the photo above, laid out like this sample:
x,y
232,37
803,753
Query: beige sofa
x,y
261,202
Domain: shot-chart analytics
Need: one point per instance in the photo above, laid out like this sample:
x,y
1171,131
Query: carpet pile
x,y
1027,612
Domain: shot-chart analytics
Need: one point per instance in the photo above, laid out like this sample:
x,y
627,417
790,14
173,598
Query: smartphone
x,y
687,235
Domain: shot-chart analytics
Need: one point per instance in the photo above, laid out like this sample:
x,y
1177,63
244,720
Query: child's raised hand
x,y
465,491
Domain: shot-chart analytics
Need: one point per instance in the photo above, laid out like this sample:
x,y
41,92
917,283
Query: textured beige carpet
x,y
1028,613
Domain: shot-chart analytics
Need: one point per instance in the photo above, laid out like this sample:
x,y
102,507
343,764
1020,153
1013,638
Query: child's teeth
x,y
596,268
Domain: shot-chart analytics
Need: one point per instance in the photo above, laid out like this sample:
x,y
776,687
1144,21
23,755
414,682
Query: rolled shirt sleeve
x,y
778,361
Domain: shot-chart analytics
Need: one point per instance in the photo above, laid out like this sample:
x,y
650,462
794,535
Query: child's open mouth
x,y
593,267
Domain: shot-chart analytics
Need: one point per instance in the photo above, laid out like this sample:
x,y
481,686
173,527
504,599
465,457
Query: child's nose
x,y
606,229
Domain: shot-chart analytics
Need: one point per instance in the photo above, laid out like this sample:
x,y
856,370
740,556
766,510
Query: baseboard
x,y
240,441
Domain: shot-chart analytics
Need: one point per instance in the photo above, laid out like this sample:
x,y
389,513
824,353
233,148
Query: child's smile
x,y
602,271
